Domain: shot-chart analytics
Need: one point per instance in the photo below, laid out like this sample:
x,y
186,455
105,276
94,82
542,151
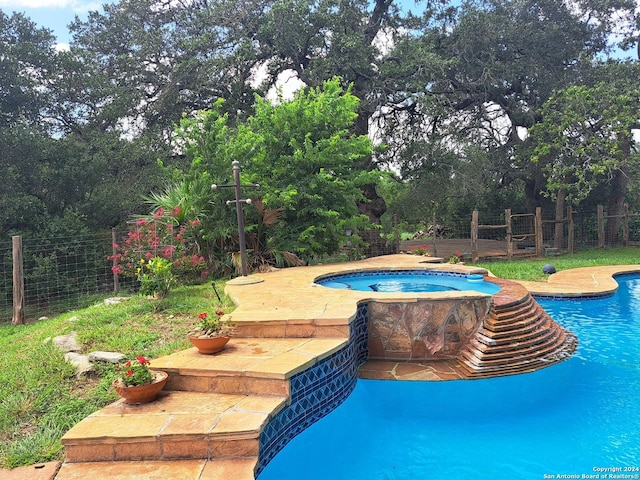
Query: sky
x,y
55,15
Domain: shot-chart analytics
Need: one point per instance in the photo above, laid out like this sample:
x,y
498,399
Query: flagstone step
x,y
234,468
492,337
517,337
260,366
515,368
504,313
544,354
496,330
516,316
213,408
519,343
177,425
517,353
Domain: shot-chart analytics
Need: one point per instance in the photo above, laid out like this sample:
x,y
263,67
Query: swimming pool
x,y
572,420
429,281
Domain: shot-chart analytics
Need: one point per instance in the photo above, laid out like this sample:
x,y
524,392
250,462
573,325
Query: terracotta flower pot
x,y
142,393
209,345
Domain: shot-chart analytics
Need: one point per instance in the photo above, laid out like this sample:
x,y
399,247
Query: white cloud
x,y
287,84
75,5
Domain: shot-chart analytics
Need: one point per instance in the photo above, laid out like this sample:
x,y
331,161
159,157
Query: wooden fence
x,y
43,275
535,236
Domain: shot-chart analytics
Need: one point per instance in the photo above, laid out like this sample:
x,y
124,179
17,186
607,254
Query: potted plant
x,y
456,258
212,332
137,383
420,250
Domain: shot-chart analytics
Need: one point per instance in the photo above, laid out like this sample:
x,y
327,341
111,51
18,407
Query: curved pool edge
x,y
504,298
580,282
297,309
294,418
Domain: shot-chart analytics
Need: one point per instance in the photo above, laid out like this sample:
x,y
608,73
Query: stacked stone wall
x,y
424,330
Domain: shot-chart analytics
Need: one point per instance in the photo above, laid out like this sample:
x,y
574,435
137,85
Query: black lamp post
x,y
239,201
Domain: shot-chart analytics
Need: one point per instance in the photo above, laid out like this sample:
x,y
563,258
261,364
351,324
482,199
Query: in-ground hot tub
x,y
436,324
428,281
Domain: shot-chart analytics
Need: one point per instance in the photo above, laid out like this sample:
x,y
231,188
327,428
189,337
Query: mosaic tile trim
x,y
317,391
386,273
587,296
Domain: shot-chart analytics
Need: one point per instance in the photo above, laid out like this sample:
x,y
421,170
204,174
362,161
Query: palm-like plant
x,y
264,241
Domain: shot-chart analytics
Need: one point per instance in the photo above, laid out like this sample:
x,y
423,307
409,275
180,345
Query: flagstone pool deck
x,y
206,425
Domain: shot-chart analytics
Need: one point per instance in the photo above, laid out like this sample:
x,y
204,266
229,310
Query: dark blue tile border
x,y
585,296
317,391
385,273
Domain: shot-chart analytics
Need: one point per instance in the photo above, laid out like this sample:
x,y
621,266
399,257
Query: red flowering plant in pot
x,y
420,250
212,333
137,383
456,258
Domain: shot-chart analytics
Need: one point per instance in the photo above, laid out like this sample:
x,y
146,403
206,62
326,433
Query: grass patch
x,y
41,398
531,269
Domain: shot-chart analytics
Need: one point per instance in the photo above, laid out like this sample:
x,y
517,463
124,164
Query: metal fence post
x,y
116,277
601,239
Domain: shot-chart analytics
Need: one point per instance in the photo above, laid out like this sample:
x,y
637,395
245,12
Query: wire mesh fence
x,y
59,273
64,273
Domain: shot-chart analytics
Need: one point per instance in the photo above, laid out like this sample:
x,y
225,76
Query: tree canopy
x,y
585,136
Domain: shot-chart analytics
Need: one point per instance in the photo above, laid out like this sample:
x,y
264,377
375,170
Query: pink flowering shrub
x,y
161,236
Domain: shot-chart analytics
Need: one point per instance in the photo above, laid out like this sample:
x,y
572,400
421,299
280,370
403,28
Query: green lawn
x,y
532,269
41,398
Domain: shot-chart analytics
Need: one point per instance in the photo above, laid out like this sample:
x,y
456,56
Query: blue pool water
x,y
565,421
407,281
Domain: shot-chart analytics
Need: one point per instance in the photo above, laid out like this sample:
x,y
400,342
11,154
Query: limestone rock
x,y
68,342
115,300
81,362
109,357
